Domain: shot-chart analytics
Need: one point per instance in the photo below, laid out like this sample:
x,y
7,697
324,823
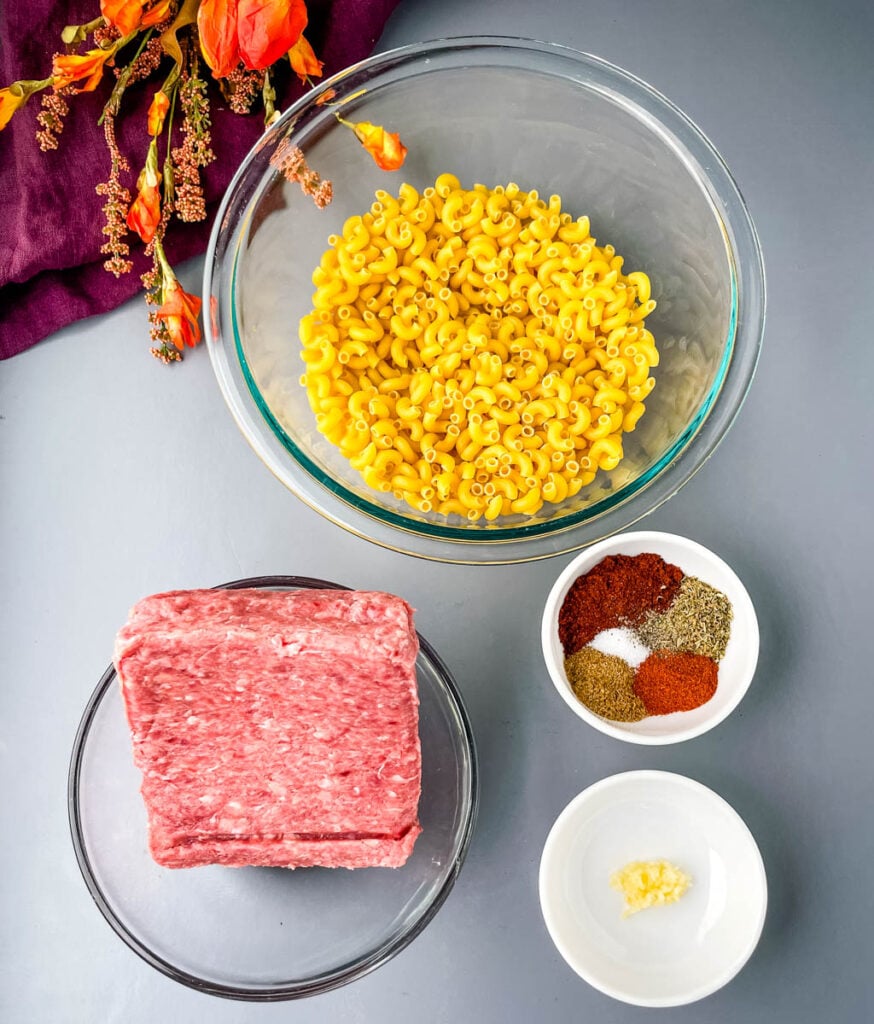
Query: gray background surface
x,y
121,477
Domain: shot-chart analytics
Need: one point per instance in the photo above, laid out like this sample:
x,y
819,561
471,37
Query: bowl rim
x,y
664,778
328,980
586,560
464,544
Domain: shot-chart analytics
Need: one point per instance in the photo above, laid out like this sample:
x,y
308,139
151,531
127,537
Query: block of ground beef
x,y
274,727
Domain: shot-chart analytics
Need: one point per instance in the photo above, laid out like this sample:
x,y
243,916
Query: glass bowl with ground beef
x,y
527,117
650,637
266,934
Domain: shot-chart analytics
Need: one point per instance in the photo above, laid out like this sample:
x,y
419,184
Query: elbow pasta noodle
x,y
474,352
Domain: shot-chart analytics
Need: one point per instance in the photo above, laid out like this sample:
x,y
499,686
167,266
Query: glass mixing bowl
x,y
266,934
494,110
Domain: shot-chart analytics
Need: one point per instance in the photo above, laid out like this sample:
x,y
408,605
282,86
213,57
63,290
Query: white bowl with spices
x,y
694,595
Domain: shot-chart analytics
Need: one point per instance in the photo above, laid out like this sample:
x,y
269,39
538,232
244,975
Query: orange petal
x,y
125,15
157,112
268,28
179,313
304,61
87,67
217,28
385,147
326,97
9,103
144,215
392,154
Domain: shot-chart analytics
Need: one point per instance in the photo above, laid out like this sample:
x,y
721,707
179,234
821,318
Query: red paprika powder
x,y
669,681
618,591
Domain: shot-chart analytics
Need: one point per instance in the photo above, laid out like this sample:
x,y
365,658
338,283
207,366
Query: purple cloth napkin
x,y
51,271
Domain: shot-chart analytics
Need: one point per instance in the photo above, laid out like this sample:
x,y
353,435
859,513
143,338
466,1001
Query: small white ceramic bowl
x,y
736,669
666,955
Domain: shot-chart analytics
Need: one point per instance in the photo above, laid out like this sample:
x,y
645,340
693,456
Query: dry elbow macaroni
x,y
475,352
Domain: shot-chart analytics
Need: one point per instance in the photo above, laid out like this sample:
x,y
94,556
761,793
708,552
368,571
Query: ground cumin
x,y
605,684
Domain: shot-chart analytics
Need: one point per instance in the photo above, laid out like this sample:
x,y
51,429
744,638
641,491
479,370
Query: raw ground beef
x,y
274,727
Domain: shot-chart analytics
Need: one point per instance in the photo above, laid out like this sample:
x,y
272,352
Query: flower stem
x,y
24,89
166,270
114,101
169,181
174,86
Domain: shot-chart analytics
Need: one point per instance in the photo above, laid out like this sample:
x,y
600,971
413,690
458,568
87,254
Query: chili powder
x,y
669,681
621,590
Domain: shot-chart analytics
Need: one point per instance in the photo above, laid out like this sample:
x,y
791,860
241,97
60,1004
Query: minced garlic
x,y
649,883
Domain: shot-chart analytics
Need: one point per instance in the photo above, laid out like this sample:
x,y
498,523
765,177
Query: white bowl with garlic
x,y
687,940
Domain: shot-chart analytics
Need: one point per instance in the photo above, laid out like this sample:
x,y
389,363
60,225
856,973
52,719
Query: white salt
x,y
621,643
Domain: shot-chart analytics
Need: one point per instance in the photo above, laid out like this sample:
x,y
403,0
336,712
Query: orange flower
x,y
256,32
157,112
144,215
11,98
125,15
217,28
87,67
268,28
179,311
128,15
304,61
155,15
385,147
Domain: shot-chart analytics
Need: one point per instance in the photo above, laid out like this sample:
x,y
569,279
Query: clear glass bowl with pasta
x,y
493,111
